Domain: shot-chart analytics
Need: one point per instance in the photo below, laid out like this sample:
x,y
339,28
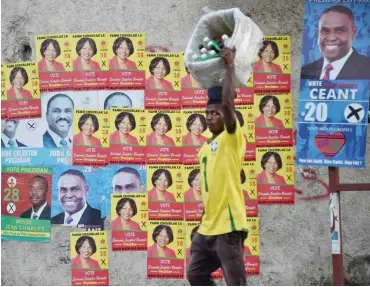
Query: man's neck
x,y
37,208
63,135
9,135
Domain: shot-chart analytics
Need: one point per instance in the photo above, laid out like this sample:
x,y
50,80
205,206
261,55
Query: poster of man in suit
x,y
334,41
78,201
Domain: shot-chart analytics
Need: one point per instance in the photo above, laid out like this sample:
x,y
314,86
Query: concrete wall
x,y
295,240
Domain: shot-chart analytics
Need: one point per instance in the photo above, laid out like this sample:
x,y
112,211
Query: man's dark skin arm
x,y
228,92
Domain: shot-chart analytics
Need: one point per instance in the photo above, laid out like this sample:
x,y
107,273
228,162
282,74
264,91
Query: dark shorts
x,y
225,251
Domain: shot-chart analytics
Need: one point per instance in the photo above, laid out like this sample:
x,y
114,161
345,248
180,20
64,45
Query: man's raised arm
x,y
228,92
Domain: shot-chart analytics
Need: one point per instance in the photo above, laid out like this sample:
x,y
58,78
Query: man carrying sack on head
x,y
219,240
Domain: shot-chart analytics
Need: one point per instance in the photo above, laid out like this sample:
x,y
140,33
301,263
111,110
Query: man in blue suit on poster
x,y
340,60
59,115
8,135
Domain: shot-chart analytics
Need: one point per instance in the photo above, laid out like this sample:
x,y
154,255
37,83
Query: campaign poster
x,y
271,73
129,215
48,140
244,114
25,203
191,229
126,179
127,136
81,197
4,93
335,223
252,247
273,119
164,137
192,94
353,58
126,54
332,123
90,61
165,192
244,96
127,99
194,134
89,258
275,175
249,187
54,61
193,201
163,81
23,92
91,137
166,249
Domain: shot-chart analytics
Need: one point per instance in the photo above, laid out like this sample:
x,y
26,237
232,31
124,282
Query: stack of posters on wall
x,y
334,87
166,230
273,122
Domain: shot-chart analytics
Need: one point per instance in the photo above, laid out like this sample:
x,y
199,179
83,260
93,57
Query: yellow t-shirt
x,y
220,164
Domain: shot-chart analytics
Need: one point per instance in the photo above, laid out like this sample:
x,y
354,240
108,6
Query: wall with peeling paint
x,y
295,240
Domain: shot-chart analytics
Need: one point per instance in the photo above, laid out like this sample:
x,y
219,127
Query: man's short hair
x,y
123,201
41,179
56,97
115,94
130,170
340,9
74,172
80,241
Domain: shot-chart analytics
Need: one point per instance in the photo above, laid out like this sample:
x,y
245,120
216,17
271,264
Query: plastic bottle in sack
x,y
211,44
226,40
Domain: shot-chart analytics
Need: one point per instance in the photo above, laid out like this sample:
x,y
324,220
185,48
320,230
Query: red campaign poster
x,y
194,134
192,94
165,192
126,54
90,137
191,228
166,248
252,247
129,215
163,140
249,185
273,120
89,258
25,203
193,202
23,93
275,175
244,96
127,136
244,114
4,107
163,83
54,60
271,73
90,61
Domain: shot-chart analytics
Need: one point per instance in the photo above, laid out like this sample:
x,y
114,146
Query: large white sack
x,y
246,37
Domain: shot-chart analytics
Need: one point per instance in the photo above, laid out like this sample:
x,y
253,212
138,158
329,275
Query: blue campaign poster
x,y
333,105
332,123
